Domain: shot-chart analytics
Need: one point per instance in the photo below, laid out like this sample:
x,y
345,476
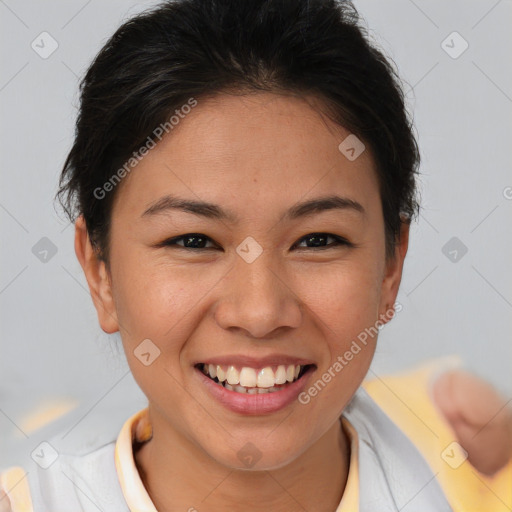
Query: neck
x,y
180,476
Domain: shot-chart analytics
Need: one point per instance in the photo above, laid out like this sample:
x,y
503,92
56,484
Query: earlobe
x,y
98,278
393,274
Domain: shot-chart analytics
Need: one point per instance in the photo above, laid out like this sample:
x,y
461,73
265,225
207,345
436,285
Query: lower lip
x,y
258,403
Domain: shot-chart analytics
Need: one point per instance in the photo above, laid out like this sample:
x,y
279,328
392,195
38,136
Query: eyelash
x,y
339,241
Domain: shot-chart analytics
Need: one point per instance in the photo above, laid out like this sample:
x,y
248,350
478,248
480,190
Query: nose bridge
x,y
254,269
258,279
258,299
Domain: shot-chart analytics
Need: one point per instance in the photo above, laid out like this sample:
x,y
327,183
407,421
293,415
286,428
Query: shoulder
x,y
65,483
77,473
386,457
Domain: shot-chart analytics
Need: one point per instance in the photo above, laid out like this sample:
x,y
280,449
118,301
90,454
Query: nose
x,y
258,300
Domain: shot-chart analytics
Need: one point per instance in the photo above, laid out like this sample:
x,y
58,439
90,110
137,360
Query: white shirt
x,y
386,473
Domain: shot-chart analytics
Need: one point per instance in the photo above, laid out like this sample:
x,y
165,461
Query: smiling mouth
x,y
251,381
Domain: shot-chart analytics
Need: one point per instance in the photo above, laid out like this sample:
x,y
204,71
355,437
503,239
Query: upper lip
x,y
255,362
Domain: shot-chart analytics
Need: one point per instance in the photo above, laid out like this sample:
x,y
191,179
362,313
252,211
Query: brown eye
x,y
320,240
189,241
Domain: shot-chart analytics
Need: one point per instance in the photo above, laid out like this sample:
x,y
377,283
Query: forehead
x,y
250,150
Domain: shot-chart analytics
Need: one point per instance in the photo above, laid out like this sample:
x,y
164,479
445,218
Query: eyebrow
x,y
213,211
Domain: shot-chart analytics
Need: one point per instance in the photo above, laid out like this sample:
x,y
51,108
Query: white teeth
x,y
232,375
251,381
266,378
221,374
248,377
280,374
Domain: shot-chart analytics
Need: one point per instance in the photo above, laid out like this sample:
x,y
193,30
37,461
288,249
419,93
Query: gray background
x,y
51,347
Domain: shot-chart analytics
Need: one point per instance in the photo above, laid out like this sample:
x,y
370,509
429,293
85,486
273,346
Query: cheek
x,y
152,295
344,306
162,302
344,293
343,302
154,304
150,302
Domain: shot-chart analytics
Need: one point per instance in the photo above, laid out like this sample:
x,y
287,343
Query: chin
x,y
254,456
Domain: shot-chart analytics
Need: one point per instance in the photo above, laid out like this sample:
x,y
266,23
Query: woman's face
x,y
257,288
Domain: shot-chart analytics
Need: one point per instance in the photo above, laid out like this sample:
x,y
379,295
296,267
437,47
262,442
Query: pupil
x,y
199,245
322,239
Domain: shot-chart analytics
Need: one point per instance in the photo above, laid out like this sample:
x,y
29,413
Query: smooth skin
x,y
256,156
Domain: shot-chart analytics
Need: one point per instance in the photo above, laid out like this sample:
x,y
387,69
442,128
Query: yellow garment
x,y
350,499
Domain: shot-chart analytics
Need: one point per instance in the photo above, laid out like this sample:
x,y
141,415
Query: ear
x,y
393,275
98,278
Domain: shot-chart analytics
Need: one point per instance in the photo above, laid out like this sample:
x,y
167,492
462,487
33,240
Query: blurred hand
x,y
480,417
